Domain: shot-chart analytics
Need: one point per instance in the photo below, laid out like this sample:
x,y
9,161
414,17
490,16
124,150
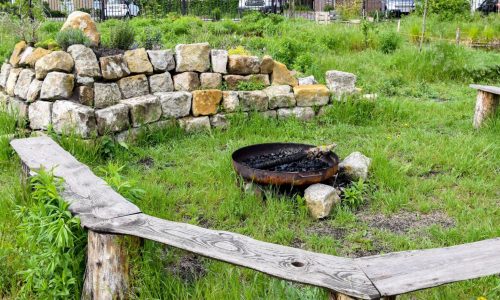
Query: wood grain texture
x,y
335,273
89,196
403,272
486,105
486,88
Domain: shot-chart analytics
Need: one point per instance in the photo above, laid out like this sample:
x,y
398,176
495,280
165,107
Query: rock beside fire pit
x,y
320,199
355,166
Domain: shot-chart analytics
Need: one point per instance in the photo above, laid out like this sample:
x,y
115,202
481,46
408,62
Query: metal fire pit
x,y
281,178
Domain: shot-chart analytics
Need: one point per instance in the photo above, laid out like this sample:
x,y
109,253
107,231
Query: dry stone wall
x,y
79,92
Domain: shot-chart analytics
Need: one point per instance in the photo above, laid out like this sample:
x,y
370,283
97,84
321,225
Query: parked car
x,y
265,6
118,8
398,7
489,6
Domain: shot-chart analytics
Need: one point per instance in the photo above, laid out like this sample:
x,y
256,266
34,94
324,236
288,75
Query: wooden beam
x,y
486,106
403,272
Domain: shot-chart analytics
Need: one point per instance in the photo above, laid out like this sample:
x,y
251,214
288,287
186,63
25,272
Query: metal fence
x,y
216,9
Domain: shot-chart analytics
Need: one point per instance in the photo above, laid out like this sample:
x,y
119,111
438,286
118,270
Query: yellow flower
x,y
481,298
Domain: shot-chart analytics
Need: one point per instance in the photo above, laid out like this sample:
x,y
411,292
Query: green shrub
x,y
389,42
354,195
70,37
216,14
151,38
449,9
49,44
121,36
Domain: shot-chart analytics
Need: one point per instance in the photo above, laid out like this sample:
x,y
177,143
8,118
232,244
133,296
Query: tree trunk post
x,y
486,105
107,269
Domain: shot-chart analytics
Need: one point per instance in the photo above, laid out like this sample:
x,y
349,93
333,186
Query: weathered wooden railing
x,y
109,217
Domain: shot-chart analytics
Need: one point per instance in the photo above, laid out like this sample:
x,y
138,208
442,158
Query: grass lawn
x,y
434,180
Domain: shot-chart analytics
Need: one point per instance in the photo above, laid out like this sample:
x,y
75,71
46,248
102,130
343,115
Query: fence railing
x,y
108,216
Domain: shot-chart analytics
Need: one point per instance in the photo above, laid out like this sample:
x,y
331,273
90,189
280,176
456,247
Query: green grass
x,y
426,158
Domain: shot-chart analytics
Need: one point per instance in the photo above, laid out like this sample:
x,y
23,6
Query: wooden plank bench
x,y
108,216
486,102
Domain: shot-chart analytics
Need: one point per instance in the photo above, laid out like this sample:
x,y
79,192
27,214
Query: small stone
x,y
10,85
86,95
162,60
17,108
211,80
175,104
186,81
34,90
311,95
23,83
191,124
355,166
86,64
68,117
230,101
144,109
37,54
113,67
320,199
112,119
137,61
307,80
233,81
300,113
253,100
106,94
370,96
340,82
280,96
16,54
26,53
270,114
267,65
219,61
243,64
219,121
57,61
192,57
89,81
206,102
134,86
161,83
57,85
282,76
40,115
83,21
4,74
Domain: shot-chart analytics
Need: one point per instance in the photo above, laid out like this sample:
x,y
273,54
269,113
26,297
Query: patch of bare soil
x,y
147,161
189,268
405,221
325,229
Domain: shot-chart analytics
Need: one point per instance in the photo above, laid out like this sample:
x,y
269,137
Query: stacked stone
x,y
74,90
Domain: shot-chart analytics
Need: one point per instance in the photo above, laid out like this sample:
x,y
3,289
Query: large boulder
x,y
12,80
282,76
253,100
112,119
106,94
34,90
219,61
86,64
280,96
138,62
36,55
113,67
4,74
40,115
243,64
267,65
311,95
162,60
83,21
57,61
161,83
134,86
340,82
230,101
211,80
71,117
15,57
191,124
300,113
320,199
192,57
175,104
23,83
355,166
206,102
143,109
186,81
57,85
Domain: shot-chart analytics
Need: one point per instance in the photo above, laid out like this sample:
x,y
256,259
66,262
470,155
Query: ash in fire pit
x,y
305,164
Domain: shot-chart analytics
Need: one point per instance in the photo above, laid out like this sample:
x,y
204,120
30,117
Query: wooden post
x,y
457,36
423,25
399,25
107,271
486,105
